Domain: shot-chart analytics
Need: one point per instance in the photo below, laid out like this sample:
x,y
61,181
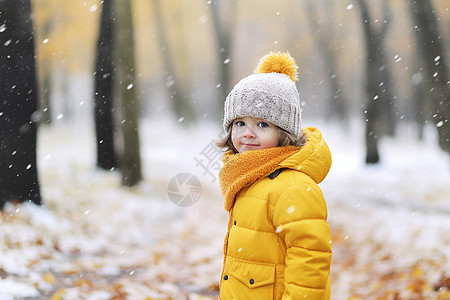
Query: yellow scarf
x,y
243,169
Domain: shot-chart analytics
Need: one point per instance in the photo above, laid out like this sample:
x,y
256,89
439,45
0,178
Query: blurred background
x,y
184,46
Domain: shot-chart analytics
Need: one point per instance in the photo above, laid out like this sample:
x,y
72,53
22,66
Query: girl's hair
x,y
286,139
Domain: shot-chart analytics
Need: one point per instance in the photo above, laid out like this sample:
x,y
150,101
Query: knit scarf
x,y
243,169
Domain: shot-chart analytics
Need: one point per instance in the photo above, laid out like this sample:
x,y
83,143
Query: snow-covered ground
x,y
98,240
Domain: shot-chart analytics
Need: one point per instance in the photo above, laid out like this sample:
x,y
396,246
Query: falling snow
x,y
290,209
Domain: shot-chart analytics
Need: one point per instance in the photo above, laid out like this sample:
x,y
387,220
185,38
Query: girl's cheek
x,y
236,130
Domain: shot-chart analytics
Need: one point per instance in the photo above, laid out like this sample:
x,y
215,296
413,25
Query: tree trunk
x,y
436,75
45,78
223,43
46,110
104,90
324,37
376,75
182,108
180,56
419,103
126,87
388,119
18,105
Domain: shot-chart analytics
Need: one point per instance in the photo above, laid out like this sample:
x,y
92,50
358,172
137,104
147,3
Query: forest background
x,y
184,43
382,63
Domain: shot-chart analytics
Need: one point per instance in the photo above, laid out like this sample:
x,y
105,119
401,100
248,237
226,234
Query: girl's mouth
x,y
250,145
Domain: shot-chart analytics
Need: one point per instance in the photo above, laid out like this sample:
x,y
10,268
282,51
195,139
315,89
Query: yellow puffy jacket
x,y
279,243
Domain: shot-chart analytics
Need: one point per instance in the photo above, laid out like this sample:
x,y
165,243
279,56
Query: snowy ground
x,y
98,240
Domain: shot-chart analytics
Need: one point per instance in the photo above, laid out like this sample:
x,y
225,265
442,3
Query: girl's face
x,y
249,133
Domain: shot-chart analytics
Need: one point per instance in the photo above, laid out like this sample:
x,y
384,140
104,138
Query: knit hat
x,y
270,94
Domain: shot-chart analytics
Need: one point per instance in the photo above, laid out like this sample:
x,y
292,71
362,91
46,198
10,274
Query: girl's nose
x,y
248,133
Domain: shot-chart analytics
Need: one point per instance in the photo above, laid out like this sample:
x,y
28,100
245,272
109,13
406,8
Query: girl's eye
x,y
263,125
239,123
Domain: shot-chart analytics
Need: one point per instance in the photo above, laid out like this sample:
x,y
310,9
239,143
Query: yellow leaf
x,y
58,294
48,277
417,272
444,296
84,283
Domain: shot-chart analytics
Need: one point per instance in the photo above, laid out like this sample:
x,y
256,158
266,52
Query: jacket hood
x,y
313,159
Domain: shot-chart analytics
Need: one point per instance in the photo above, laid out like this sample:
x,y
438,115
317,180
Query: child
x,y
278,244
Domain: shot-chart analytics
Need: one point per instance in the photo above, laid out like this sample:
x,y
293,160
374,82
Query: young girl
x,y
278,244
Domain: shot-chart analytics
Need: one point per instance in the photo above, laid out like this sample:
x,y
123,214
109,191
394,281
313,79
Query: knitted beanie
x,y
270,94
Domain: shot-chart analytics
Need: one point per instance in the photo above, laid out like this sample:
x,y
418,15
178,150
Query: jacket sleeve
x,y
300,219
